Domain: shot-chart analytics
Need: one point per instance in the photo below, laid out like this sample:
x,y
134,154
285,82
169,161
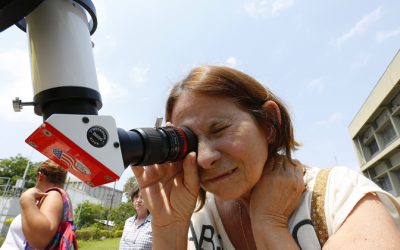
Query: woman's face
x,y
138,203
232,148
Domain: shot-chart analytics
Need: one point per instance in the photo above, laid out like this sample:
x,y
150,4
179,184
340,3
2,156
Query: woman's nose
x,y
207,155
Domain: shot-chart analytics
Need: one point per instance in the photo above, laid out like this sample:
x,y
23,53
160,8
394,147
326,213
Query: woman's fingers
x,y
191,177
143,177
137,171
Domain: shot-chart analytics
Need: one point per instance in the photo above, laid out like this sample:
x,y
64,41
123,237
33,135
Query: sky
x,y
323,58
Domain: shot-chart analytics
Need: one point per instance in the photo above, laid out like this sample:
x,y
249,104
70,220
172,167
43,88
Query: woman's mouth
x,y
220,177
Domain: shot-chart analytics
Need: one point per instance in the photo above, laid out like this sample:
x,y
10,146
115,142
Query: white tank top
x,y
15,238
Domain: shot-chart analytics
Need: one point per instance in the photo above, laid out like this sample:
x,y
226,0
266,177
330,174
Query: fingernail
x,y
192,157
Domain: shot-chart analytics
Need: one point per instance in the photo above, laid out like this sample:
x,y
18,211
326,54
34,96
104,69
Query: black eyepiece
x,y
147,146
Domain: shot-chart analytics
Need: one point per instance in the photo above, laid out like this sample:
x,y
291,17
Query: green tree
x,y
130,183
14,167
124,209
86,214
121,213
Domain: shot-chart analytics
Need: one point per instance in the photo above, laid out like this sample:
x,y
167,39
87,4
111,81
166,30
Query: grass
x,y
107,244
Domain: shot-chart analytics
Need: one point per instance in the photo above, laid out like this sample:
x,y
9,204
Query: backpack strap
x,y
67,210
65,237
318,205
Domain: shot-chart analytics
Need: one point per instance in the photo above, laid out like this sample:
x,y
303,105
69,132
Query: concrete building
x,y
375,131
103,195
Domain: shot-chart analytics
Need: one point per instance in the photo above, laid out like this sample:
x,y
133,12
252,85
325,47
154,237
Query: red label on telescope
x,y
57,147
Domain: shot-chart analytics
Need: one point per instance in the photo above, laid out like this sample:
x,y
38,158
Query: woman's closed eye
x,y
219,129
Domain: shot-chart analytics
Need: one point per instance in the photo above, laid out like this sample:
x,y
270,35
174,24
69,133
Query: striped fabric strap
x,y
317,205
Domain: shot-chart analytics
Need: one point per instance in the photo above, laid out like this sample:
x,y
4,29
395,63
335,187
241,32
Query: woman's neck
x,y
43,186
236,220
141,215
245,201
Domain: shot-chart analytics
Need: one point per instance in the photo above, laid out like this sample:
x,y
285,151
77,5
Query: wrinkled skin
x,y
232,162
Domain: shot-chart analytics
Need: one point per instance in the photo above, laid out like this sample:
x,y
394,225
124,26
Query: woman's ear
x,y
272,107
40,176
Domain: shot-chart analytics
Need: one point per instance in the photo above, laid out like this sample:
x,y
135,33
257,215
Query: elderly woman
x,y
249,192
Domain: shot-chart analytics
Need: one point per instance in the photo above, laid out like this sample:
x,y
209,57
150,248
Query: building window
x,y
396,103
397,173
373,147
372,172
388,134
385,184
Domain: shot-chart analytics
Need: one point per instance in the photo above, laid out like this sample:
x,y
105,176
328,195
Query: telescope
x,y
66,95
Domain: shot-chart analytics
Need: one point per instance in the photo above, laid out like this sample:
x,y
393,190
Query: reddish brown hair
x,y
53,172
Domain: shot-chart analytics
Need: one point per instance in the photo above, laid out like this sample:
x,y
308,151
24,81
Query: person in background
x,y
41,212
249,192
15,238
137,232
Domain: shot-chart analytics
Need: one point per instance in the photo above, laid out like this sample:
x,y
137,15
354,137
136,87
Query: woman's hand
x,y
169,190
32,195
278,192
274,198
170,193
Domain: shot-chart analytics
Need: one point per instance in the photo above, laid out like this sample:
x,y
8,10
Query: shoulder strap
x,y
68,210
61,191
318,205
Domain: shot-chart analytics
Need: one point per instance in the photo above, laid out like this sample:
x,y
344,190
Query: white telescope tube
x,y
61,53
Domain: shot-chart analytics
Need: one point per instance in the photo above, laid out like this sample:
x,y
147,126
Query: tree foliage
x,y
121,213
129,185
86,214
14,168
